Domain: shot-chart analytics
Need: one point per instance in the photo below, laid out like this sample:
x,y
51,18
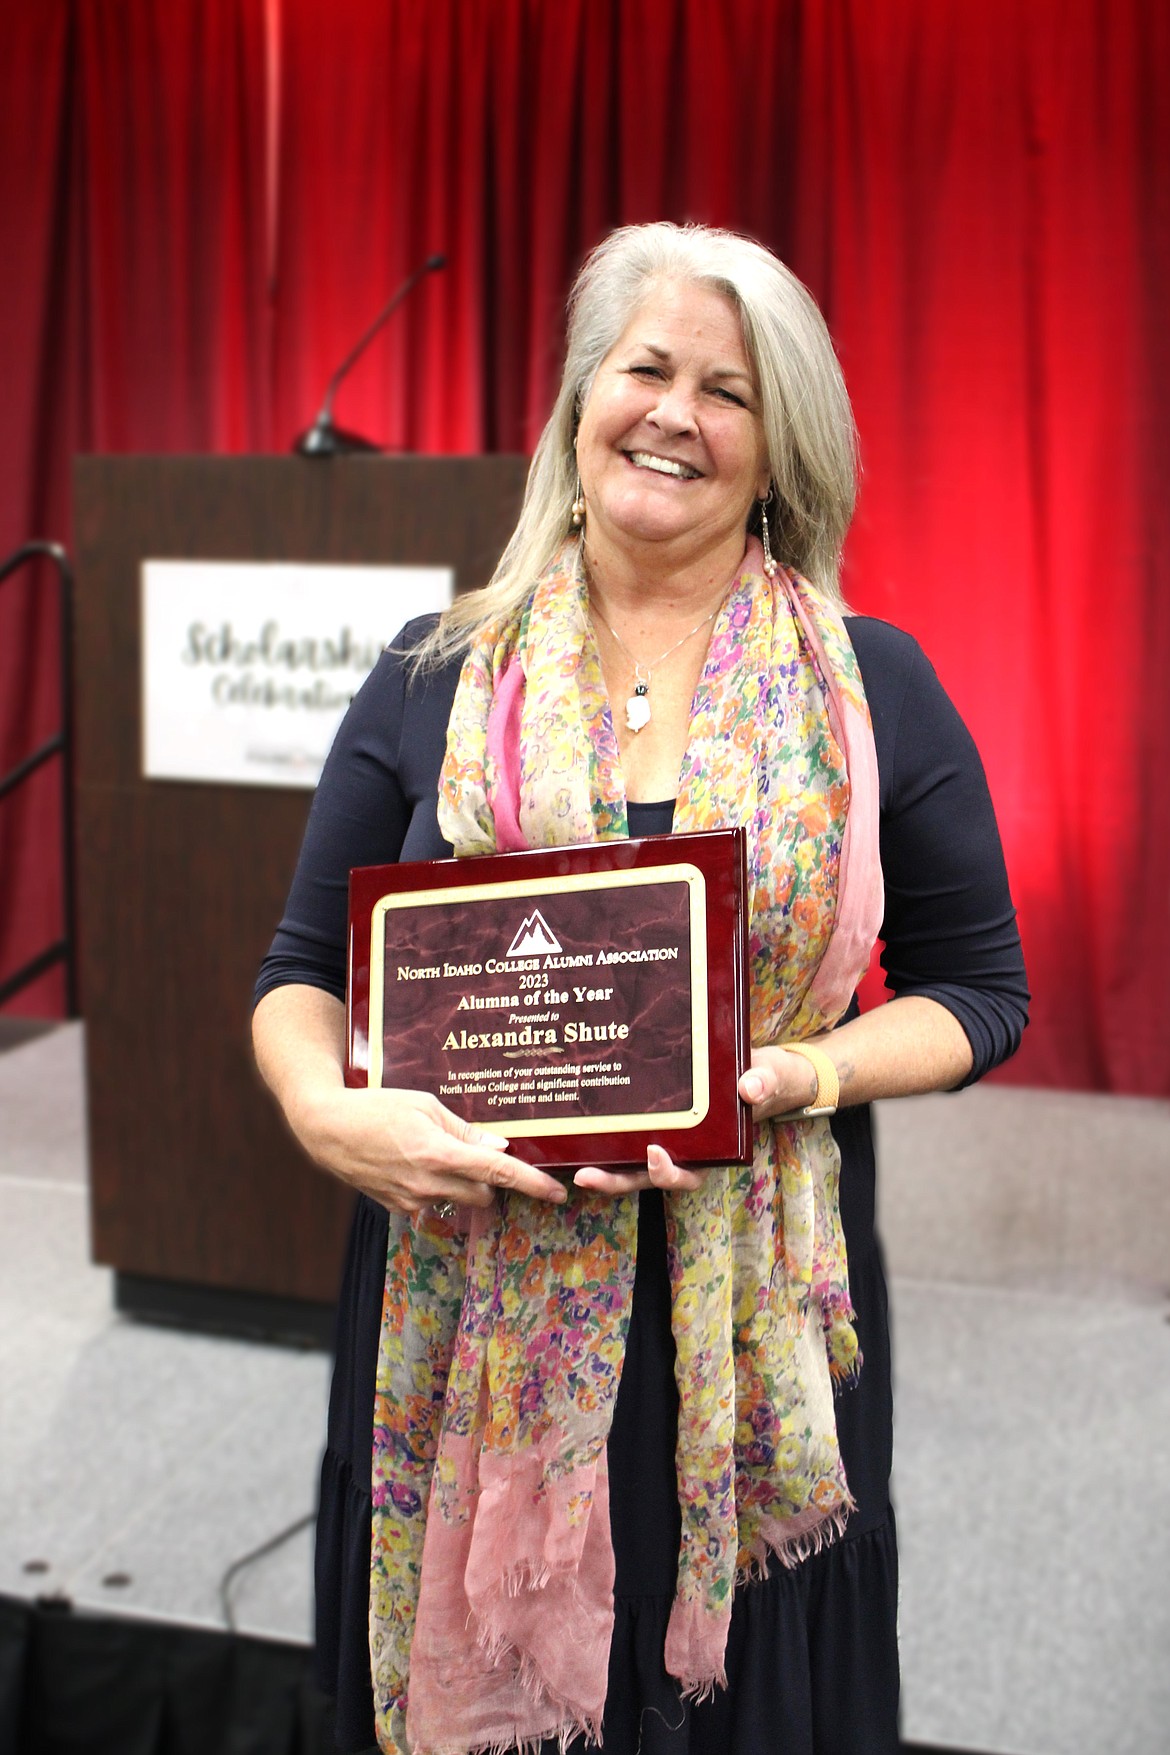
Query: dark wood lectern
x,y
200,1200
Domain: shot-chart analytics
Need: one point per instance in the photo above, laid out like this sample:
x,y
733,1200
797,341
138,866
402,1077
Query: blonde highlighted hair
x,y
808,423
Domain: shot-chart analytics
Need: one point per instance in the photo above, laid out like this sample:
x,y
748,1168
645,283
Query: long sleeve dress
x,y
812,1651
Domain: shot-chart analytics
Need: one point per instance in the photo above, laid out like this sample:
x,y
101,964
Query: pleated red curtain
x,y
220,194
172,189
135,315
988,217
35,144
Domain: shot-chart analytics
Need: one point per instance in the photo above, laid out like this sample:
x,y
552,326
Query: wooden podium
x,y
200,1199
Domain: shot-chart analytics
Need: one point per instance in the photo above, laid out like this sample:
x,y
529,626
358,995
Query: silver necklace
x,y
638,705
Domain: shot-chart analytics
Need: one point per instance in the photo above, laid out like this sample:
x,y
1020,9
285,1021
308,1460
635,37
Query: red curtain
x,y
132,203
35,149
995,248
218,195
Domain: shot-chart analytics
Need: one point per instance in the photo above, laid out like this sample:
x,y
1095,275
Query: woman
x,y
612,1483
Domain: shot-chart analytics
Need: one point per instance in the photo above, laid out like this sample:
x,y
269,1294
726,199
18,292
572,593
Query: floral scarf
x,y
502,1346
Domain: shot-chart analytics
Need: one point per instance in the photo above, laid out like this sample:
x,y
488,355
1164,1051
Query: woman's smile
x,y
664,465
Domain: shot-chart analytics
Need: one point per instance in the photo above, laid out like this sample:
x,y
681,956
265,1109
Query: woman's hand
x,y
775,1083
405,1150
778,1082
661,1172
402,1148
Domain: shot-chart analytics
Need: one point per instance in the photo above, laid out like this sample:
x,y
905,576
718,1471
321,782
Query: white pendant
x,y
637,712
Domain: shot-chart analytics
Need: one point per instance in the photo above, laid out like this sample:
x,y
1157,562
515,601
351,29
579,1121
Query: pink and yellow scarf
x,y
501,1349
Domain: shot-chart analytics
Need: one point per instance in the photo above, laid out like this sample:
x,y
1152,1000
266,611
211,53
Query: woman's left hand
x,y
661,1172
777,1082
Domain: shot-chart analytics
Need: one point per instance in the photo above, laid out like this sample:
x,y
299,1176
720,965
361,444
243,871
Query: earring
x,y
769,558
578,513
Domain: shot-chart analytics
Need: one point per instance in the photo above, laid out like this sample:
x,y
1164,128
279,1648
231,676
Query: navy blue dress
x,y
812,1653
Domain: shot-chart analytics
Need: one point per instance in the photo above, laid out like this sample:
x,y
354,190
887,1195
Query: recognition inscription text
x,y
550,1022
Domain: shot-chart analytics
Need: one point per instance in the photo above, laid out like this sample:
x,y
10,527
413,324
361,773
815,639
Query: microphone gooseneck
x,y
324,438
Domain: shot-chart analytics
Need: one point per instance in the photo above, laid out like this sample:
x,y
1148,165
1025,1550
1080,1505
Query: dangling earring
x,y
769,558
578,513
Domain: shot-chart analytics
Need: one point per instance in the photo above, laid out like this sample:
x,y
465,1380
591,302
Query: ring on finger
x,y
445,1209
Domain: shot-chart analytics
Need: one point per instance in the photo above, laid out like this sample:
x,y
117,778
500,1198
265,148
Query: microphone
x,y
324,438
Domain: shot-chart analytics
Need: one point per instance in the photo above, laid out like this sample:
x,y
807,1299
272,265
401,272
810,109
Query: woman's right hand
x,y
406,1151
402,1148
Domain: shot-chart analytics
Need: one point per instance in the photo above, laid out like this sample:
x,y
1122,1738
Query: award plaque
x,y
585,1002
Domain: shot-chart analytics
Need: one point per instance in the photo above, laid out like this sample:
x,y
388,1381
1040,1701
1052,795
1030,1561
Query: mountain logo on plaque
x,y
533,936
617,1017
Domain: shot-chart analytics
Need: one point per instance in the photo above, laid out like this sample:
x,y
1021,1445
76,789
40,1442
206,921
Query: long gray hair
x,y
808,423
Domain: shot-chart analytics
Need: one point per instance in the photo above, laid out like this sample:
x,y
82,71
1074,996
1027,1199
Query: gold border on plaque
x,y
585,881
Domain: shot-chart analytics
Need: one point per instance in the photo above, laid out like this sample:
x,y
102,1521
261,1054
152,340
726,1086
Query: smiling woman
x,y
638,1504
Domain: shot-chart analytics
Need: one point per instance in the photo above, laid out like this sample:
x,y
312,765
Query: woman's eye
x,y
726,395
647,371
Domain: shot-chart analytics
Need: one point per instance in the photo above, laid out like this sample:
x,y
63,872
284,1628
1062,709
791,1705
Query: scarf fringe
x,y
526,1577
773,1543
532,1682
699,1688
792,1549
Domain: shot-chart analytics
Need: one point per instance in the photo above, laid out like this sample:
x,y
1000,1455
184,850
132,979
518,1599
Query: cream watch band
x,y
828,1093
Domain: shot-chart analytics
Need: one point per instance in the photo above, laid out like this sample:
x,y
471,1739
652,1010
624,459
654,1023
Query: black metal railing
x,y
64,949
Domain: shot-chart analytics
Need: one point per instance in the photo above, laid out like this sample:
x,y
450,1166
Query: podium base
x,y
253,1316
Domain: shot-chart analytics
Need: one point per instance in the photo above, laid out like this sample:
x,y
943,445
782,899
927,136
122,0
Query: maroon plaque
x,y
584,1001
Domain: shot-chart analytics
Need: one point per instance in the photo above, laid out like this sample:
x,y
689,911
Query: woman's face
x,y
670,445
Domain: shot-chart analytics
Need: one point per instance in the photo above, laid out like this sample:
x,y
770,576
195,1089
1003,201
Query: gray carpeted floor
x,y
1026,1236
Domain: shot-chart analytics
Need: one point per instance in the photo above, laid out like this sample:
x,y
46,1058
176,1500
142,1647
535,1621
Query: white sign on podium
x,y
248,667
